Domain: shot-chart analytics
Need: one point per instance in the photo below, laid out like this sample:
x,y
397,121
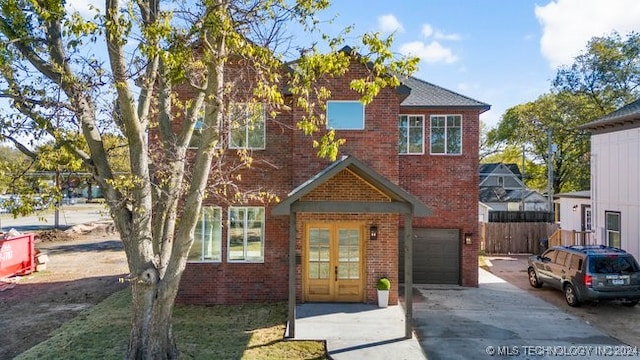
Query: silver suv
x,y
588,273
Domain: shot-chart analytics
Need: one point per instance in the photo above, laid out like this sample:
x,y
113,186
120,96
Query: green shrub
x,y
384,284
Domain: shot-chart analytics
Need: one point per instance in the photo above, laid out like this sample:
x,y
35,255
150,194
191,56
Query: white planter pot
x,y
383,298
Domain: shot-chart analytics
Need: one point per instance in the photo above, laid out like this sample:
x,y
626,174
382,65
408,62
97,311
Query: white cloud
x,y
442,36
389,24
568,25
432,52
427,31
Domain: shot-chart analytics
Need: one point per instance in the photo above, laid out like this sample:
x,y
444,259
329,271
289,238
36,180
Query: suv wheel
x,y
571,296
533,279
630,303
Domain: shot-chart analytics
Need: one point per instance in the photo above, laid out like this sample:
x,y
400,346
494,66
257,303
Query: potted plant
x,y
383,287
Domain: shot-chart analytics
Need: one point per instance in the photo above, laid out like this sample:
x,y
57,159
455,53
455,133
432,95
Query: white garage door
x,y
436,256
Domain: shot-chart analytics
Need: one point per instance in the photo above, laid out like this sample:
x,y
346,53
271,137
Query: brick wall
x,y
448,184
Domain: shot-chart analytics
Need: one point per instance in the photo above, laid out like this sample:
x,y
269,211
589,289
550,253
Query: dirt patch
x,y
83,266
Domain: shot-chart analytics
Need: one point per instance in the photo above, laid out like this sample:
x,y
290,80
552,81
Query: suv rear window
x,y
612,264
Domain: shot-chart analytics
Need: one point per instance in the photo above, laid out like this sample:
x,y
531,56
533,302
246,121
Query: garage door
x,y
436,256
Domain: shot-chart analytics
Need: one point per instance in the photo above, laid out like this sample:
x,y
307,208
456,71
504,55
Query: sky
x,y
501,52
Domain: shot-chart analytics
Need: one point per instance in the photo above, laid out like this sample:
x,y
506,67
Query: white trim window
x,y
411,134
345,115
446,134
612,223
207,241
246,234
247,126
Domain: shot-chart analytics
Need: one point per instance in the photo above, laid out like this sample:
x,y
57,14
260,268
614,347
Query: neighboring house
x,y
615,174
573,214
502,189
483,212
408,166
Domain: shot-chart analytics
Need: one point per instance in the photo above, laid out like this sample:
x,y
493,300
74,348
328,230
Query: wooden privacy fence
x,y
514,238
571,237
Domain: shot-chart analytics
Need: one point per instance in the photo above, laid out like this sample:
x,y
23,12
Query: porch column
x,y
408,274
292,275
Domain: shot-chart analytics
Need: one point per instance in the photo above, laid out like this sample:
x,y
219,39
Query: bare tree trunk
x,y
152,303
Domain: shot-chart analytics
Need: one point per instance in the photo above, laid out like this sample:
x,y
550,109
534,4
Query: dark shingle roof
x,y
626,115
426,94
496,194
487,168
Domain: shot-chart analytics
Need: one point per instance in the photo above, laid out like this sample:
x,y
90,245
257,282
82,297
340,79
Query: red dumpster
x,y
17,256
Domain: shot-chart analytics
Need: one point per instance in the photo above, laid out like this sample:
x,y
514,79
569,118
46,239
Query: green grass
x,y
215,332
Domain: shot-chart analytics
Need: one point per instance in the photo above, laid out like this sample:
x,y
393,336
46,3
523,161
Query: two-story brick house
x,y
409,164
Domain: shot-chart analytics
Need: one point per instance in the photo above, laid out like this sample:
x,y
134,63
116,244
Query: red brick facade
x,y
447,184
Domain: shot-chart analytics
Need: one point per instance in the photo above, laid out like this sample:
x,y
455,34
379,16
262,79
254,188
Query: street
x,y
69,215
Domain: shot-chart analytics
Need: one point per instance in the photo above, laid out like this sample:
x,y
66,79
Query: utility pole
x,y
550,172
524,187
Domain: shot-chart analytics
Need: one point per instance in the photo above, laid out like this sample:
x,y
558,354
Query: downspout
x,y
408,274
594,193
291,333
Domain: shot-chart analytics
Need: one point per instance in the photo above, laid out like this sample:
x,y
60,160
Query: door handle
x,y
336,274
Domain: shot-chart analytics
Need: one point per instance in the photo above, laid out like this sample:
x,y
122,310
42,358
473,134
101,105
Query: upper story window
x,y
246,234
247,126
411,134
207,242
446,134
345,115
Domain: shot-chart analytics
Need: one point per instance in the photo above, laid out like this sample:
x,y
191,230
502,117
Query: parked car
x,y
588,273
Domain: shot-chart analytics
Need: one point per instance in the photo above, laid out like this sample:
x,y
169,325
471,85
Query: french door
x,y
333,262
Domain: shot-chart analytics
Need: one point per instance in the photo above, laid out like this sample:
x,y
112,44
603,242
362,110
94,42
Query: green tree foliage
x,y
12,163
601,79
212,49
607,73
527,125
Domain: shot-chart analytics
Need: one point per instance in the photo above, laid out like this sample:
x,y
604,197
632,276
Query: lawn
x,y
214,332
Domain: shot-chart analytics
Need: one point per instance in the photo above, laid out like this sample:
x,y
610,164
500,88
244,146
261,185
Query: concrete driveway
x,y
498,319
620,322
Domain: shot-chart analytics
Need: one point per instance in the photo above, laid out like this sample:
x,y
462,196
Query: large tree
x,y
527,126
58,85
607,72
605,76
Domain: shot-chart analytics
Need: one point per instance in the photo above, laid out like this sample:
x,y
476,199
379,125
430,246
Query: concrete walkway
x,y
357,331
498,319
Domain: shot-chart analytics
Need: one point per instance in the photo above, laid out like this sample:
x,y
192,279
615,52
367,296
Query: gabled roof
x,y
488,168
425,94
393,191
422,93
627,116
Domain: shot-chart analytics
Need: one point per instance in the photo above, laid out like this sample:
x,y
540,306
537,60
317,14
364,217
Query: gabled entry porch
x,y
332,247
